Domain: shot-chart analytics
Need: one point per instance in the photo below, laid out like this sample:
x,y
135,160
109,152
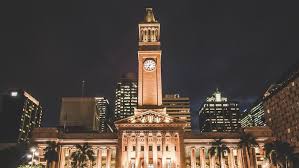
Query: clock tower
x,y
149,62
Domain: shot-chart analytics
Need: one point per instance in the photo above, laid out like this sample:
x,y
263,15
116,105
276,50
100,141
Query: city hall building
x,y
151,138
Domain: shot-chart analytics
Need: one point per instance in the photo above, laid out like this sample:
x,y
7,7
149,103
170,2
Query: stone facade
x,y
166,145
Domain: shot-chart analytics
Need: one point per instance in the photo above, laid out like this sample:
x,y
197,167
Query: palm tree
x,y
51,154
247,144
218,148
280,153
83,154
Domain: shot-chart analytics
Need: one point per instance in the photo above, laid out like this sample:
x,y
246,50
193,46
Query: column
x,y
145,149
193,157
119,150
129,145
178,150
108,158
231,158
99,158
155,152
163,150
202,157
182,148
240,159
253,158
172,150
138,149
61,157
212,161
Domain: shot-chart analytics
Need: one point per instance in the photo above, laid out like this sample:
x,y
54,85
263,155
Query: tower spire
x,y
149,16
149,61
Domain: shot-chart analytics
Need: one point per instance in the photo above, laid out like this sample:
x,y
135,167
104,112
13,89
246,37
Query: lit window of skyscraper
x,y
125,96
218,114
102,106
178,107
21,113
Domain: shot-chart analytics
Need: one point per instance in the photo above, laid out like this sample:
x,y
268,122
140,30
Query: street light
x,y
31,156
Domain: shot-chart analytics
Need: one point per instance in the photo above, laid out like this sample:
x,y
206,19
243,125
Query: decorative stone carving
x,y
151,117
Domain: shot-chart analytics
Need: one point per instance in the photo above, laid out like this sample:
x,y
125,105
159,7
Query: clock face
x,y
149,65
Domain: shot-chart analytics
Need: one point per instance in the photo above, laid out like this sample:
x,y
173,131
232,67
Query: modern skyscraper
x,y
218,114
83,113
282,108
102,113
178,107
125,96
20,114
255,116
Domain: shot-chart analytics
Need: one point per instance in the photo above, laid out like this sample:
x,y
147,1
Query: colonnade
x,y
149,34
103,156
232,159
150,149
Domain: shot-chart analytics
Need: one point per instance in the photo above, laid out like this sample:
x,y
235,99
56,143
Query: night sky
x,y
48,48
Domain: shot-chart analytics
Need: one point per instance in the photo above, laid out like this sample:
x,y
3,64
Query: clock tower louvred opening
x,y
149,62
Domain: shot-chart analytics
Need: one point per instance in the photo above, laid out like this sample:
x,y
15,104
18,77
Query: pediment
x,y
150,117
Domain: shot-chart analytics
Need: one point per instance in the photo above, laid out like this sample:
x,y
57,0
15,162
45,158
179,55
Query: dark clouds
x,y
239,47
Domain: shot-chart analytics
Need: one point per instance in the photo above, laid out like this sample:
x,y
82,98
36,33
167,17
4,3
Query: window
x,y
134,148
126,148
166,148
174,148
142,148
150,148
158,148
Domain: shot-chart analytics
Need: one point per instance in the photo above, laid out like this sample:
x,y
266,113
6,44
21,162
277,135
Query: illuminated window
x,y
14,94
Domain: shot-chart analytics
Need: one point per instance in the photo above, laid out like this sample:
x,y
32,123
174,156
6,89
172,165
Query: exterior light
x,y
33,149
29,156
14,94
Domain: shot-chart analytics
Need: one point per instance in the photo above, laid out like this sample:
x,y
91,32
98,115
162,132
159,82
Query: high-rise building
x,y
102,113
179,107
20,114
217,114
282,108
255,116
125,96
83,113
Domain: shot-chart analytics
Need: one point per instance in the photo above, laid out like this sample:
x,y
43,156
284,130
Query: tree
x,y
218,148
51,154
247,144
83,154
280,154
